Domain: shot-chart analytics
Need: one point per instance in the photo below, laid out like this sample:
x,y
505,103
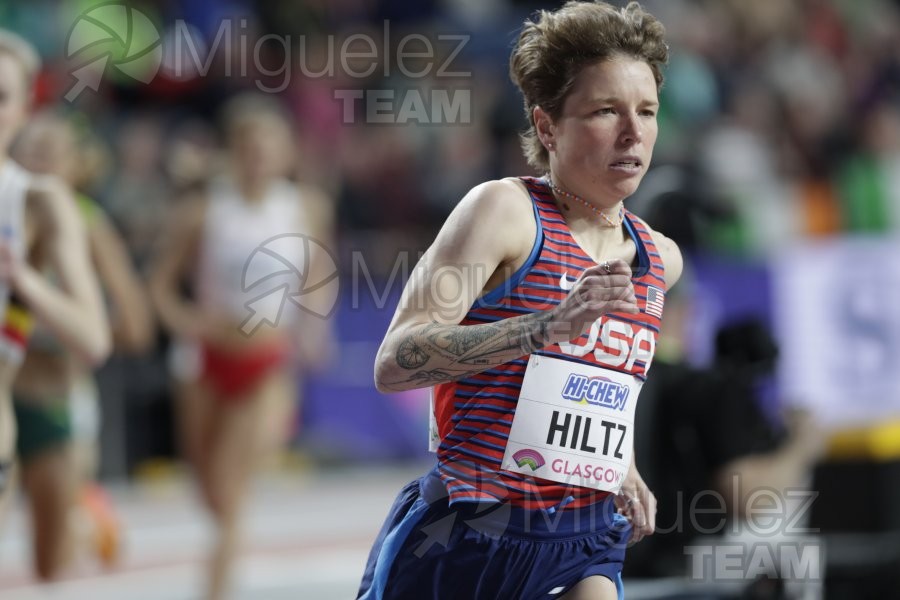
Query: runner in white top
x,y
233,230
238,243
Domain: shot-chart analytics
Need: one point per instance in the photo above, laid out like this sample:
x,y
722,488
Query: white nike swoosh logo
x,y
565,283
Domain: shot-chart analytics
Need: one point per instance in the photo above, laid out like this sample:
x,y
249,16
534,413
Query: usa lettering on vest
x,y
621,344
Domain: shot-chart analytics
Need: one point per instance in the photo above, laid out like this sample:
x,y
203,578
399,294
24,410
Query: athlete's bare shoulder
x,y
503,203
499,213
310,192
50,209
669,252
318,205
47,191
508,194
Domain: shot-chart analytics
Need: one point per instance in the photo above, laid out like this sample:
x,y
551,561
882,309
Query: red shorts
x,y
233,373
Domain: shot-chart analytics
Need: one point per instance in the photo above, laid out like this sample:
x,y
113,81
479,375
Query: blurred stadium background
x,y
777,171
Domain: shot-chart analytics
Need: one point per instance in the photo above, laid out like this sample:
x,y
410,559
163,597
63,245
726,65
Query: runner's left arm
x,y
637,503
316,340
74,309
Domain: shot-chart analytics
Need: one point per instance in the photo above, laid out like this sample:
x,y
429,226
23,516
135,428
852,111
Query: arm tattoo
x,y
460,340
424,378
411,355
539,334
459,348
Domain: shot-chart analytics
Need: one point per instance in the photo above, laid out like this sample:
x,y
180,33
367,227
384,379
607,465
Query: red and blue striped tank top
x,y
474,414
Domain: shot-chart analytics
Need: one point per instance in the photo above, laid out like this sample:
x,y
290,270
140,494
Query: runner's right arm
x,y
172,265
490,233
132,320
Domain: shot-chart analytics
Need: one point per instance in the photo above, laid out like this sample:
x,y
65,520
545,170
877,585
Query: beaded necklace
x,y
609,222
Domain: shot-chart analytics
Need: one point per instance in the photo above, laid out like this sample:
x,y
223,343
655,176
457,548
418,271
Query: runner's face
x,y
47,149
13,99
261,148
605,136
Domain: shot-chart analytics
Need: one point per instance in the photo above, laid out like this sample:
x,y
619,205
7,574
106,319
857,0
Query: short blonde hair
x,y
23,51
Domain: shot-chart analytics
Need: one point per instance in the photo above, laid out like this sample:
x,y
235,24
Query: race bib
x,y
574,424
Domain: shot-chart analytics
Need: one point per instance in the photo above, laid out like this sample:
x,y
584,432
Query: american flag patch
x,y
655,299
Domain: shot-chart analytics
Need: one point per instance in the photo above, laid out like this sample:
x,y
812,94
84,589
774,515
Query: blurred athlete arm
x,y
175,256
73,310
486,237
132,319
316,344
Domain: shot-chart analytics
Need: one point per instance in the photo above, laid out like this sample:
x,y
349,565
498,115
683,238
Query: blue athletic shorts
x,y
472,551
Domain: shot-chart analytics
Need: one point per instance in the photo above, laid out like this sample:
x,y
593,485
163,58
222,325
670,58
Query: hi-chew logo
x,y
530,458
597,390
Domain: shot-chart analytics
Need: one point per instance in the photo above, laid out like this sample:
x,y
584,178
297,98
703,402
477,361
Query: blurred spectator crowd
x,y
779,120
